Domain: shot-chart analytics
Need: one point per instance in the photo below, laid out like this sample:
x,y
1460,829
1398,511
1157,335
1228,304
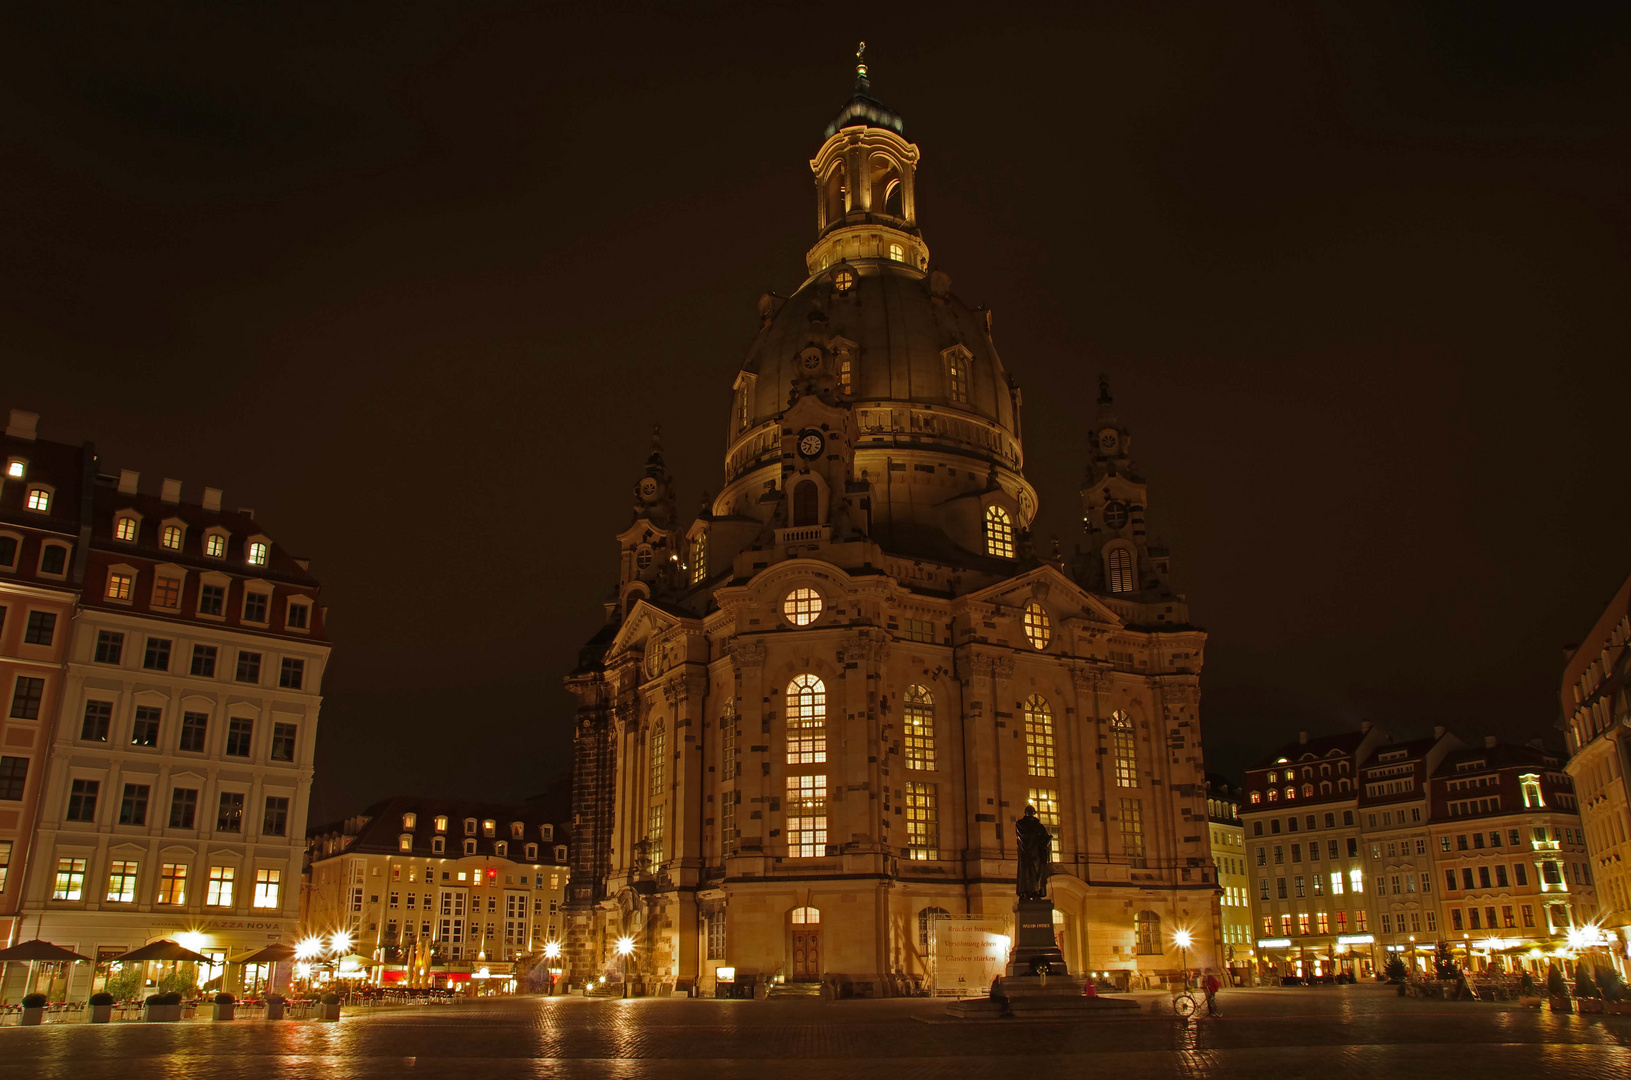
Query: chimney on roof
x,y
128,479
171,492
1438,731
1489,742
1302,737
1538,744
23,425
212,499
247,511
1364,727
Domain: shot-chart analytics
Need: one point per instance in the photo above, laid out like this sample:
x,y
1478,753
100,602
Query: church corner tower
x,y
817,709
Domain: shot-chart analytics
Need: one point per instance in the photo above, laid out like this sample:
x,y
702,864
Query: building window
x,y
215,546
54,560
41,628
283,741
120,585
716,935
203,664
268,883
256,605
121,881
897,253
258,553
212,599
292,675
298,617
218,889
133,805
806,817
802,607
157,655
531,853
845,370
1530,783
229,814
441,823
404,842
654,838
956,376
249,667
806,504
98,718
194,727
806,721
1147,933
727,821
1132,830
13,778
917,708
999,533
70,883
469,847
275,816
110,647
170,537
1046,801
183,808
727,741
1037,629
1125,748
1356,880
240,735
1038,736
82,800
658,758
437,845
167,593
16,468
1121,570
922,821
8,551
173,884
124,528
39,499
144,730
699,558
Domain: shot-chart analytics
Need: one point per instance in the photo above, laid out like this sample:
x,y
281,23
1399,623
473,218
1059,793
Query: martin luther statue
x,y
1035,846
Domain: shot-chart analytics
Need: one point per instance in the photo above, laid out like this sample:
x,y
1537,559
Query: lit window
x,y
489,827
171,537
1046,801
802,607
844,280
806,721
1036,624
727,742
257,553
1120,565
1126,751
999,533
215,546
268,883
699,558
1132,828
404,842
922,821
125,528
121,882
119,586
956,377
897,253
70,883
167,592
218,891
1147,931
844,375
659,753
173,884
1038,736
654,838
806,916
16,468
917,707
806,817
40,499
410,821
441,823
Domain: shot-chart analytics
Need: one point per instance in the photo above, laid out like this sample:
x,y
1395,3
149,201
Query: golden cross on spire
x,y
860,60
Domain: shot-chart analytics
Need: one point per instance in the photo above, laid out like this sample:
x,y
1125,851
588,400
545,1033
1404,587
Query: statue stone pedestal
x,y
1036,952
1038,985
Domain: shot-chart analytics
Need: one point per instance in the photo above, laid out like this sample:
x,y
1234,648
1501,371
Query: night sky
x,y
414,281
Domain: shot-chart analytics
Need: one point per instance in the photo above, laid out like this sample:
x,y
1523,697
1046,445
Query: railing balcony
x,y
803,534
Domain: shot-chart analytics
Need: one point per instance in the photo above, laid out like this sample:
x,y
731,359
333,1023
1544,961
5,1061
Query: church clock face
x,y
1115,515
648,488
811,444
1107,440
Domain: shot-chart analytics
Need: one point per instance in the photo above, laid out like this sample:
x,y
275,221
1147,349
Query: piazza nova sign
x,y
1342,939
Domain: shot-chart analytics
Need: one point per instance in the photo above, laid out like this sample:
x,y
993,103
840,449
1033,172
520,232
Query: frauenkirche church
x,y
817,710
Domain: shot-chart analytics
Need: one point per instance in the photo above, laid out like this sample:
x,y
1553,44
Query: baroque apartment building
x,y
1395,815
177,757
1228,838
818,708
1596,713
439,891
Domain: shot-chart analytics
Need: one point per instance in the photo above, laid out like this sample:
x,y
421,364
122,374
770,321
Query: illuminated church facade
x,y
816,710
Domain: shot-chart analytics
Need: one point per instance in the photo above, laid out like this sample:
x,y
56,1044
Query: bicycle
x,y
1184,1004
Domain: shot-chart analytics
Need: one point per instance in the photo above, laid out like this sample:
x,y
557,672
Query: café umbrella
x,y
163,951
275,953
32,952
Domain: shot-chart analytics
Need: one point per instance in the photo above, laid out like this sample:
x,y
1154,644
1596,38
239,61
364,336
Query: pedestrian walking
x,y
1211,986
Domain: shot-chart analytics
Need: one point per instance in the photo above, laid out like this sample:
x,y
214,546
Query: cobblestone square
x,y
1359,1031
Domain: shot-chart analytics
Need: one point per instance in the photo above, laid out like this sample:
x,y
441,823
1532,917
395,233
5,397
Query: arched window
x,y
1037,627
1038,736
659,755
897,253
1342,784
727,741
258,553
956,376
806,721
1291,793
999,533
1257,797
1125,748
1147,932
1121,570
925,924
806,503
917,709
806,916
1308,791
1273,795
699,558
845,375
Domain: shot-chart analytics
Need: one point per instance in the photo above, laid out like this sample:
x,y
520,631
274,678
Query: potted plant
x,y
275,1003
164,1007
226,1006
1528,992
101,1007
1557,990
330,1007
33,1009
1585,990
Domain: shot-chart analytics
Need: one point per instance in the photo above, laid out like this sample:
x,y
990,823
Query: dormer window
x,y
256,606
469,826
404,842
299,616
489,828
517,830
167,591
410,821
215,545
531,852
259,550
469,847
438,845
956,376
121,582
699,558
547,832
441,823
54,560
501,848
16,468
999,533
39,499
125,527
560,853
171,536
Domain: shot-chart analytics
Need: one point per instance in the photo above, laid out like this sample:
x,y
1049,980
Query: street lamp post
x,y
1182,940
625,946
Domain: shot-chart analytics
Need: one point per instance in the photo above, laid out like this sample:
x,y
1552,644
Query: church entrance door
x,y
806,954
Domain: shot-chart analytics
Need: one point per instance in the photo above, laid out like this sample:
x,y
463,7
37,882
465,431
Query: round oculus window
x,y
1115,515
811,360
642,559
648,488
802,606
844,280
1038,629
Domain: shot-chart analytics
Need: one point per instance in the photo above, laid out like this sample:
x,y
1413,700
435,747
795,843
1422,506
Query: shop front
x,y
1315,959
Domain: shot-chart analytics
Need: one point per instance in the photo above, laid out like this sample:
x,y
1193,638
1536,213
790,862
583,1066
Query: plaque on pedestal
x,y
1036,952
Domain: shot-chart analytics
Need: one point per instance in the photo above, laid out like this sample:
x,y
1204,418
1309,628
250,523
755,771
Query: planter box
x,y
225,1012
1590,1005
328,1012
274,1010
1530,1002
1561,1004
1618,1008
32,1017
163,1014
101,1014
